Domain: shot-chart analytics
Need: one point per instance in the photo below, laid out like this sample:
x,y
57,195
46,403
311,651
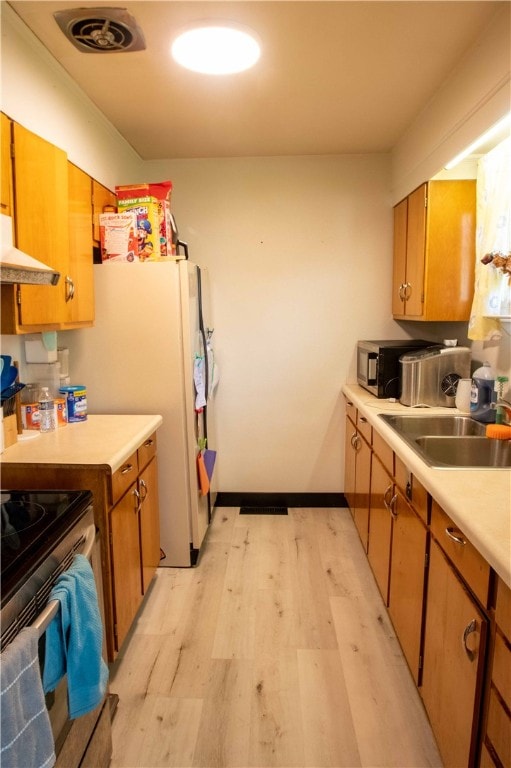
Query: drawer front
x,y
471,565
498,730
364,428
384,452
501,672
410,487
503,608
124,477
146,451
351,409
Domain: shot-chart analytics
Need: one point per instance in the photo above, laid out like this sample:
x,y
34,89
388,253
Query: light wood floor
x,y
275,651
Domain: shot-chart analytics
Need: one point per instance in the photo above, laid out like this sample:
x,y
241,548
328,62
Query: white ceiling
x,y
334,77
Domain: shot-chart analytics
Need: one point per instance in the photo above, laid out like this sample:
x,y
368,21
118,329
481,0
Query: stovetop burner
x,y
32,524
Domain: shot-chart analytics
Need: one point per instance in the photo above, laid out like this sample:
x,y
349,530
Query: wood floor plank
x,y
328,731
276,733
159,732
224,728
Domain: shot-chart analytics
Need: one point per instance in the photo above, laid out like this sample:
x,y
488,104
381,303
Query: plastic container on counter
x,y
76,402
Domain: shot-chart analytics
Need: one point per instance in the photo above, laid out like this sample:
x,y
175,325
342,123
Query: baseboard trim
x,y
238,499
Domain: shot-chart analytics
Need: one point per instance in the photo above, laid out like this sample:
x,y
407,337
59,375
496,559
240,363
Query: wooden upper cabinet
x,y
434,252
41,223
6,179
51,206
80,308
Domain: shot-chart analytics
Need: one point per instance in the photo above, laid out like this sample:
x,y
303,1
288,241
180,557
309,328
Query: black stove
x,y
33,524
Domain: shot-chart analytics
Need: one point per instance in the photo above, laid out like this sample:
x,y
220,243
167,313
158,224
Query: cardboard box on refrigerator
x,y
118,233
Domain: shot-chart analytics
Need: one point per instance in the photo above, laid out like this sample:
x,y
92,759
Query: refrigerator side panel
x,y
192,345
131,361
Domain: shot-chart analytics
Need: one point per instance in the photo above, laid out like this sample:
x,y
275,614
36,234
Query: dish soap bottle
x,y
46,410
482,394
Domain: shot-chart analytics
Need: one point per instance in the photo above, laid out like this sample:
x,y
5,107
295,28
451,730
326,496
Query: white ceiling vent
x,y
101,30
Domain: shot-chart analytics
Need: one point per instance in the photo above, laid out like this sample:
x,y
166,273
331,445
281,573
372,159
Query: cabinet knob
x,y
70,288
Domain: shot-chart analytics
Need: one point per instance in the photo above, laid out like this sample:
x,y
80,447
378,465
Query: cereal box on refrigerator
x,y
157,232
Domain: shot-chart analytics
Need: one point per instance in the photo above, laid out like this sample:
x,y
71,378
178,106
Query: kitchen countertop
x,y
478,500
100,440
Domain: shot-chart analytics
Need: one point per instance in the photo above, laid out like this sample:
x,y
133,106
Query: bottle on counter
x,y
482,394
46,410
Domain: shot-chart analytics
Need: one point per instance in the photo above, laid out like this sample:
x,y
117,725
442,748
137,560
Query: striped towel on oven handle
x,y
26,737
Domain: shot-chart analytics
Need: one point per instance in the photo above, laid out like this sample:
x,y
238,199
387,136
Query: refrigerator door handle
x,y
184,245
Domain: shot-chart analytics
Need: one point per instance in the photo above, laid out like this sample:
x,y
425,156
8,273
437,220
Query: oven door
x,y
85,741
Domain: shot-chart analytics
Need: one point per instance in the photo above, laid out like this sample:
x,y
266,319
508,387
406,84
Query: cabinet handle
x,y
392,505
148,443
386,502
143,493
70,288
469,629
408,291
452,535
355,441
401,292
363,420
137,497
127,468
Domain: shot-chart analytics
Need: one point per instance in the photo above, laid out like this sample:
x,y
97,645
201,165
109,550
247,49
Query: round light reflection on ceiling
x,y
216,49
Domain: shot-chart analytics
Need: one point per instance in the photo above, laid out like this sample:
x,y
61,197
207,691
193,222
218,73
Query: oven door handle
x,y
47,615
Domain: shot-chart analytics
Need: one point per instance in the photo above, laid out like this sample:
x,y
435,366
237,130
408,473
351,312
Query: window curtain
x,y
492,292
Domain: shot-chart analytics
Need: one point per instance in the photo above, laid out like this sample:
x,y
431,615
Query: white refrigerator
x,y
151,331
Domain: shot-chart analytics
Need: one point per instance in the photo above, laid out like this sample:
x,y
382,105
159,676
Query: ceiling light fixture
x,y
215,48
491,133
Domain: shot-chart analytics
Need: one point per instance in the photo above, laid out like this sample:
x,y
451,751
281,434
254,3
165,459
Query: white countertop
x,y
100,440
478,500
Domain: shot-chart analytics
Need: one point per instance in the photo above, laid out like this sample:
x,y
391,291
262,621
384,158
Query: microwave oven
x,y
378,368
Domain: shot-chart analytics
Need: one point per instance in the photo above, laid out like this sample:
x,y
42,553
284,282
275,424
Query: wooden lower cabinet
x,y
380,525
126,571
407,581
149,523
357,478
350,456
454,652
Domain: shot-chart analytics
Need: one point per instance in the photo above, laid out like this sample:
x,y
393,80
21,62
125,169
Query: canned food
x,y
76,402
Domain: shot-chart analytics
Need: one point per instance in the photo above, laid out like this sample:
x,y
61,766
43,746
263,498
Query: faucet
x,y
501,405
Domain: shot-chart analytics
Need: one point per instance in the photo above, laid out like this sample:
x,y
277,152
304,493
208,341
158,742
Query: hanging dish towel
x,y
26,731
74,640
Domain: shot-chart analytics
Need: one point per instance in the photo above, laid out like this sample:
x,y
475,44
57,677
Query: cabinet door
x,y
125,552
407,576
399,269
362,489
415,252
80,306
6,178
149,522
454,650
380,525
41,222
350,455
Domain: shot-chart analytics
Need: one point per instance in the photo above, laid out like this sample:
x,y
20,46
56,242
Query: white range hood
x,y
19,267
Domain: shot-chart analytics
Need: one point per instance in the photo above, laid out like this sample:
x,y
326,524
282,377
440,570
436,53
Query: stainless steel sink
x,y
434,425
451,442
466,451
